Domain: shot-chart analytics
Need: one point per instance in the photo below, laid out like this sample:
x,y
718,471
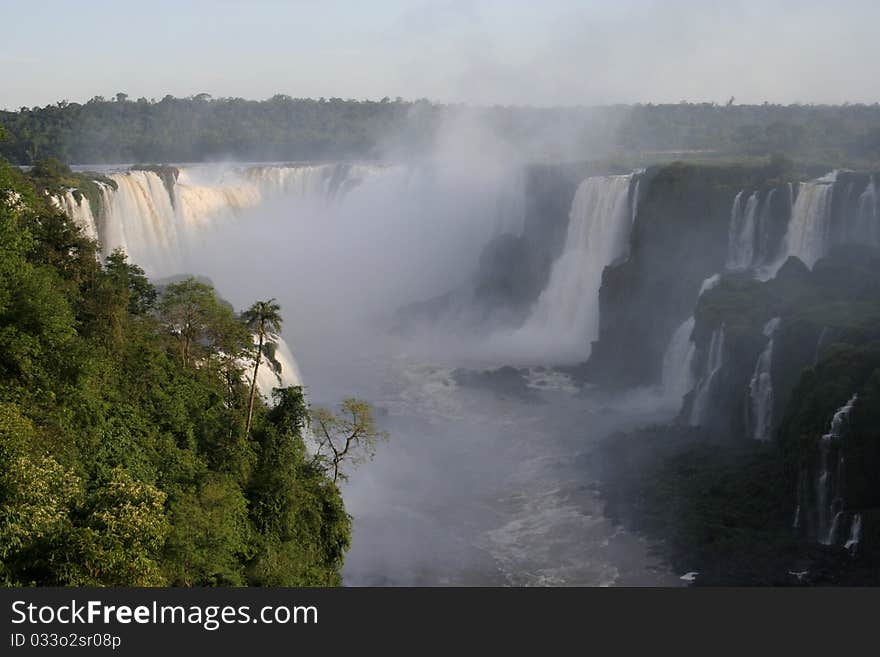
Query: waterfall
x,y
678,359
678,377
855,534
316,182
79,211
764,247
761,387
714,363
829,484
866,228
153,223
567,311
289,375
709,284
635,198
749,242
809,228
743,231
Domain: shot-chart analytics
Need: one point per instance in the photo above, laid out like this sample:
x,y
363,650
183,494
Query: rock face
x,y
824,373
680,238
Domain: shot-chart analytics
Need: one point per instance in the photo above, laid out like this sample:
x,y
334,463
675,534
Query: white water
x,y
855,534
714,363
829,484
866,228
709,284
761,387
742,232
566,315
288,376
156,226
678,376
765,249
678,359
79,211
809,229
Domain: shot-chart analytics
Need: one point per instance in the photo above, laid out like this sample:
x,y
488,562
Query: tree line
x,y
122,130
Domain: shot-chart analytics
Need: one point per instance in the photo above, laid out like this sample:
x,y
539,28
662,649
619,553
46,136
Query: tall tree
x,y
263,319
186,309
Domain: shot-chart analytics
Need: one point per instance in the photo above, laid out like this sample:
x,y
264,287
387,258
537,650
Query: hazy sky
x,y
479,51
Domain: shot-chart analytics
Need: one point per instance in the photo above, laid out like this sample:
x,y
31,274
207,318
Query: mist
x,y
479,482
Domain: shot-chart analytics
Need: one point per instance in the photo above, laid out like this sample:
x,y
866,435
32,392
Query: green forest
x,y
134,449
197,128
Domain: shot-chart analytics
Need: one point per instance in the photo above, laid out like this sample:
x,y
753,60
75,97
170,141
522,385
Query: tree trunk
x,y
250,415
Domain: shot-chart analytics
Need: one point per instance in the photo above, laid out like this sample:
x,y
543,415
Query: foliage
x,y
124,458
264,320
349,436
722,503
716,508
284,128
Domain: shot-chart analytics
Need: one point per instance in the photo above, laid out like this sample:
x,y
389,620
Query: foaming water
x,y
480,488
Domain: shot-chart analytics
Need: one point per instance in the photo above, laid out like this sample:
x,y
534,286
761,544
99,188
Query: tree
x,y
350,436
186,308
123,535
131,278
123,454
263,319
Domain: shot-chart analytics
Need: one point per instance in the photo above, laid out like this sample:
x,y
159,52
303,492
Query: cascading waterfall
x,y
714,363
678,359
635,198
288,376
866,227
761,387
678,377
809,229
750,245
829,482
765,248
317,182
743,232
709,284
855,534
140,219
153,223
79,211
567,311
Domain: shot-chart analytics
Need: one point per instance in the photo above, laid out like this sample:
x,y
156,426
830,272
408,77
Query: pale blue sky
x,y
478,51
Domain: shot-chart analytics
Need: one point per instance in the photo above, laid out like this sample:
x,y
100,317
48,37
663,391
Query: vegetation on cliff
x,y
124,452
724,504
